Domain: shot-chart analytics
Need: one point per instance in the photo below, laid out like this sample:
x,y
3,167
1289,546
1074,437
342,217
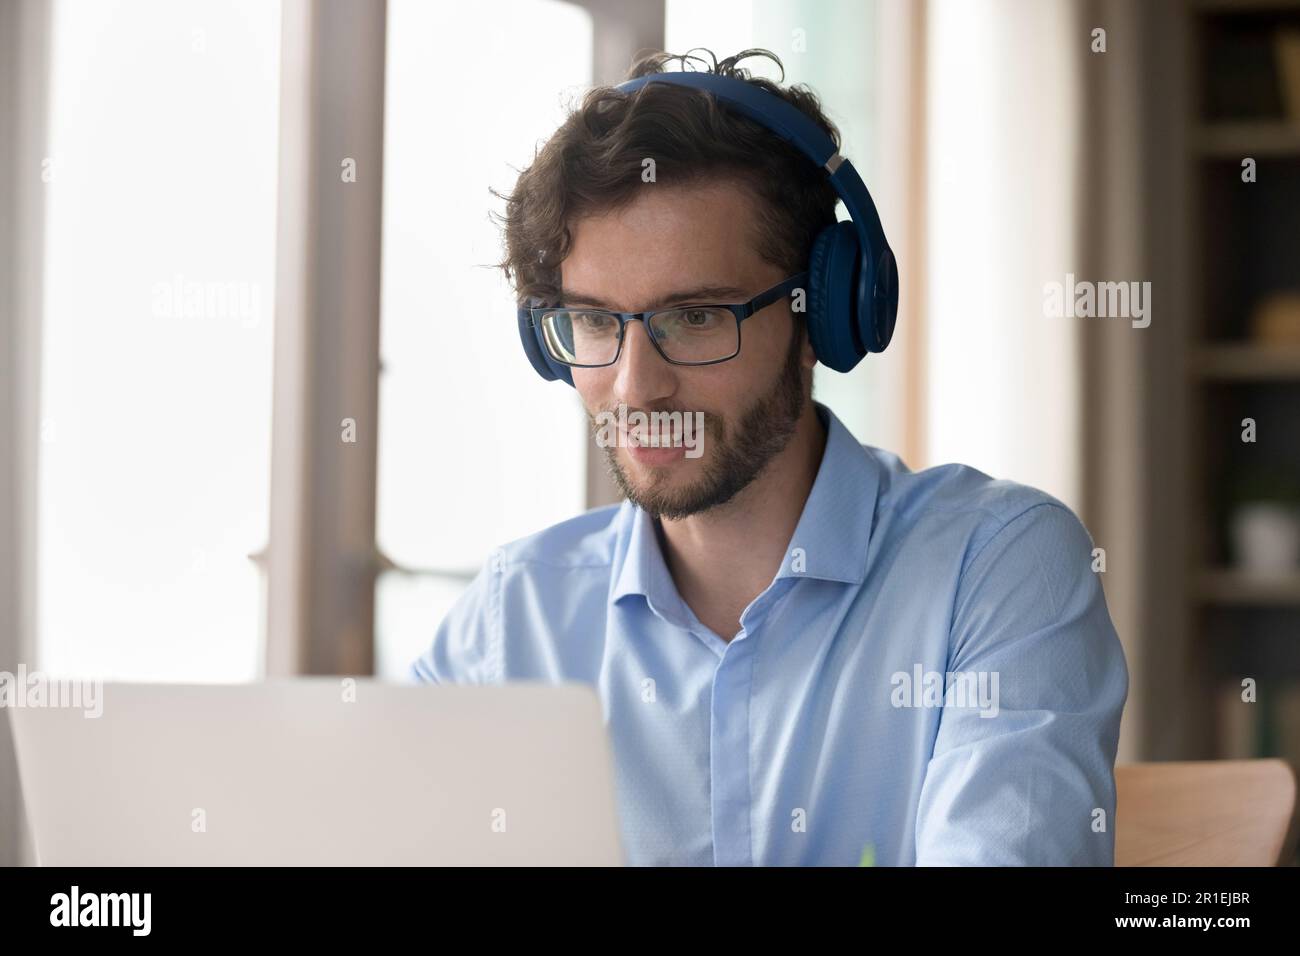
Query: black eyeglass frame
x,y
741,311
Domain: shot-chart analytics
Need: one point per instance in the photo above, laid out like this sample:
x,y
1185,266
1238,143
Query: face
x,y
675,246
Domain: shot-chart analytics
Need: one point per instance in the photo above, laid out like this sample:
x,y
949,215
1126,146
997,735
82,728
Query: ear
x,y
807,357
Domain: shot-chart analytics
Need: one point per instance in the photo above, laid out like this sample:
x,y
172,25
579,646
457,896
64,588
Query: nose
x,y
644,376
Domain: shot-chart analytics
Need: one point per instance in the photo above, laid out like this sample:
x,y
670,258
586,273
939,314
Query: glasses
x,y
683,335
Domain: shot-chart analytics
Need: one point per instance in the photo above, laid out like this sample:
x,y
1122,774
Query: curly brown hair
x,y
593,163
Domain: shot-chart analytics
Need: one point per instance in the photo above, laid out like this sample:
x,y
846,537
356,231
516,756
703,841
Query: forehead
x,y
666,238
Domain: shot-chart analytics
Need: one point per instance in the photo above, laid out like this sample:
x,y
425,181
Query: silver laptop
x,y
320,771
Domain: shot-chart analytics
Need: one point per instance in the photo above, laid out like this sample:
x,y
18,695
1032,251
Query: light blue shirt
x,y
931,678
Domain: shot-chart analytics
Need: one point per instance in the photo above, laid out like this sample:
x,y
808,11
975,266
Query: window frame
x,y
322,562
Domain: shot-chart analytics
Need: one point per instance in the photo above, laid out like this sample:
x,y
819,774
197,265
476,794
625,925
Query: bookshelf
x,y
1244,362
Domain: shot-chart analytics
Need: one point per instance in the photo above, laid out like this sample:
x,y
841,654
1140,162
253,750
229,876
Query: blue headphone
x,y
852,296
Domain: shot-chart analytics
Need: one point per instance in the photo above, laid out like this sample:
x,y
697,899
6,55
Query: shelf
x,y
1233,587
1246,6
1254,139
1247,363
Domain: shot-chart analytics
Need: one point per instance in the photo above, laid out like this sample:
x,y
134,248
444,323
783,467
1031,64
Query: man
x,y
806,653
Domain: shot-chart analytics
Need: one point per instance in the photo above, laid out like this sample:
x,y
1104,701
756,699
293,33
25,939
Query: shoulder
x,y
587,540
966,499
550,575
1020,559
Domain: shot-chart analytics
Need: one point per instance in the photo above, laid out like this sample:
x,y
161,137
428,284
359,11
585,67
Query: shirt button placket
x,y
729,754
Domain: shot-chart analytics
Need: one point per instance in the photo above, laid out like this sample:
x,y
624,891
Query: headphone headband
x,y
787,121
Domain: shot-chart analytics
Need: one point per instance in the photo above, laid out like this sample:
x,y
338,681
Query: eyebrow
x,y
701,294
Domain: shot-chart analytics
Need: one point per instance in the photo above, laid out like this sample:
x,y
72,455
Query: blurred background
x,y
236,445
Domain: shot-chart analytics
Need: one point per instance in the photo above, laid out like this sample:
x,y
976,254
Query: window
x,y
153,466
474,449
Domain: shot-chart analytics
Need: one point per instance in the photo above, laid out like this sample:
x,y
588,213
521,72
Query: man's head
x,y
661,197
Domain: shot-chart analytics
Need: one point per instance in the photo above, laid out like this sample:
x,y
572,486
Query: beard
x,y
739,455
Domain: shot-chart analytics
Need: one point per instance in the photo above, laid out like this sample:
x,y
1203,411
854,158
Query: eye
x,y
592,321
698,320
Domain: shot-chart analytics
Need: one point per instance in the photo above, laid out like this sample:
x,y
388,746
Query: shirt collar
x,y
830,541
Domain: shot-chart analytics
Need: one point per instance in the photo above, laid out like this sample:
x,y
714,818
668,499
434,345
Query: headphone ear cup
x,y
833,319
529,335
878,295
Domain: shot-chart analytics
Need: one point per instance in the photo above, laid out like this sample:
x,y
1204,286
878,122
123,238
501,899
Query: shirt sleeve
x,y
466,645
1029,781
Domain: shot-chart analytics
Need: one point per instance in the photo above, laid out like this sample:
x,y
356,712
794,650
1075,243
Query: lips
x,y
649,455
